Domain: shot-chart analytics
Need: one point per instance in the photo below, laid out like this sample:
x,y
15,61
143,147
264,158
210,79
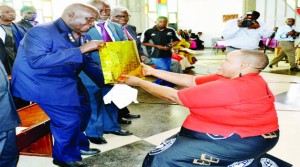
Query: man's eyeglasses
x,y
124,17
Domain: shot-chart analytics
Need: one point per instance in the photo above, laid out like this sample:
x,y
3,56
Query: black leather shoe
x,y
132,116
120,133
124,121
91,151
99,140
295,69
69,164
271,66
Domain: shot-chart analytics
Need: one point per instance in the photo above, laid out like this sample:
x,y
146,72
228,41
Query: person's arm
x,y
39,46
163,92
178,79
156,46
265,31
40,52
146,37
230,29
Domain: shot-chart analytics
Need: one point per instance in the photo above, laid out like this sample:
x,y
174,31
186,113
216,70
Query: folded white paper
x,y
121,95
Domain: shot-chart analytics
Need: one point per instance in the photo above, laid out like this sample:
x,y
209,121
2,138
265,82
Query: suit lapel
x,y
66,32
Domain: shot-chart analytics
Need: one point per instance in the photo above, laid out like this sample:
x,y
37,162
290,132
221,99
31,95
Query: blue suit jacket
x,y
9,118
47,66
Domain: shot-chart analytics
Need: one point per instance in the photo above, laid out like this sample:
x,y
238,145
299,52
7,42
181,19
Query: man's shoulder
x,y
110,23
170,29
130,26
149,31
20,22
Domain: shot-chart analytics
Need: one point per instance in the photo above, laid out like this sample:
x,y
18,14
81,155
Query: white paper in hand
x,y
121,95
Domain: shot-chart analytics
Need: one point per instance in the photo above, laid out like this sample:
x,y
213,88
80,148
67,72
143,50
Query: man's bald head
x,y
256,60
7,14
5,7
80,17
79,7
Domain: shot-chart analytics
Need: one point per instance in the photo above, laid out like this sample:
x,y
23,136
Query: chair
x,y
219,44
269,43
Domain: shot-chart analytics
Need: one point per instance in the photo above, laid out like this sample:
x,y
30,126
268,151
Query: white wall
x,y
206,16
59,5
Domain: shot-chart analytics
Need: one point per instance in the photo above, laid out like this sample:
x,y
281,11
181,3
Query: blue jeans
x,y
162,64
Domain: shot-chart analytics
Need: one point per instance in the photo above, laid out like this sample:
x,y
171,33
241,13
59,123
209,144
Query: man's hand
x,y
255,25
163,47
92,45
240,20
143,58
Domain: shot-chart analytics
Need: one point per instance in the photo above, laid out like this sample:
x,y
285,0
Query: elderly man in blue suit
x,y
9,120
104,116
46,69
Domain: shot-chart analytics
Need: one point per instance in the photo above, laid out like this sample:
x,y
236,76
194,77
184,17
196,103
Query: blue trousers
x,y
104,117
162,64
9,154
67,124
190,148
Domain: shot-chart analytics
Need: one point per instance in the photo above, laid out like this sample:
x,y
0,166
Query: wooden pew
x,y
35,139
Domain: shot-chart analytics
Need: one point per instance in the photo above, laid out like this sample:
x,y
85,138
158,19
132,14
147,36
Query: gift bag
x,y
119,58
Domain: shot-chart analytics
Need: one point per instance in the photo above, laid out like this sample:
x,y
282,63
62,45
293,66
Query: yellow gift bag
x,y
119,58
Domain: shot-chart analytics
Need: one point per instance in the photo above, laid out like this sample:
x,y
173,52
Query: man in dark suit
x,y
104,117
29,15
121,16
50,57
9,120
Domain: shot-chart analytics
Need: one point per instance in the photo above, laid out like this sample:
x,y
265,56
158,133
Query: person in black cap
x,y
245,32
29,15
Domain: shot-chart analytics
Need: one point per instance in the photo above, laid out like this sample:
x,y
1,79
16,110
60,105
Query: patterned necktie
x,y
127,33
104,33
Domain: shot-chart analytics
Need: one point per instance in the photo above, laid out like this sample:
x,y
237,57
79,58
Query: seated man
x,y
233,121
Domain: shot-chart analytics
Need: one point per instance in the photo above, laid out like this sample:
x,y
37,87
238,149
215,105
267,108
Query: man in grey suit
x,y
9,120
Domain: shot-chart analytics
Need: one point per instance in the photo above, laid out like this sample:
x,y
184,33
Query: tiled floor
x,y
159,120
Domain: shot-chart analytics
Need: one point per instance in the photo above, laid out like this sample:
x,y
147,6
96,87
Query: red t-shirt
x,y
223,106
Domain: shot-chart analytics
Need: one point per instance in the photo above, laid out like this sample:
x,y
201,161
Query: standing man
x,y
163,38
50,57
29,15
121,16
286,36
245,32
104,117
9,120
11,35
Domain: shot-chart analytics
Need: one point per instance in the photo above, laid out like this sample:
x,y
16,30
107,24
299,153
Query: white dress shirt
x,y
282,31
2,34
242,37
